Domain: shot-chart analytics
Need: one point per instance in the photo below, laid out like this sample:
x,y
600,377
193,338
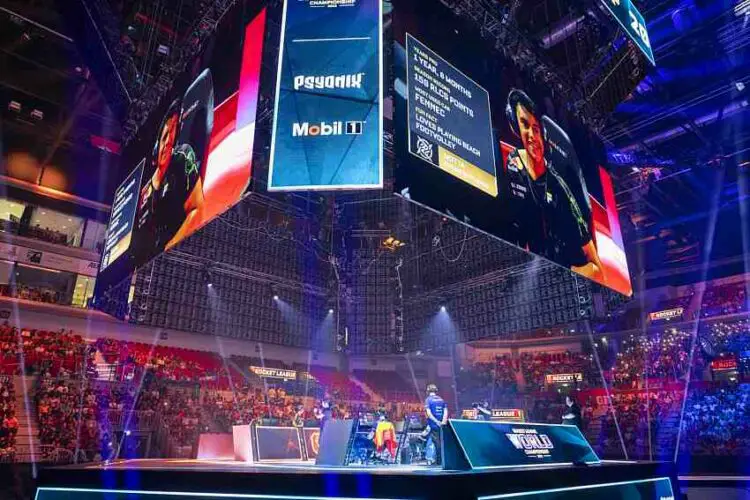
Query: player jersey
x,y
546,216
385,435
437,407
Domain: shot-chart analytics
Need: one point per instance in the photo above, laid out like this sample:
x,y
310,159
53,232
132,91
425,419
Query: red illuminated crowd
x,y
188,392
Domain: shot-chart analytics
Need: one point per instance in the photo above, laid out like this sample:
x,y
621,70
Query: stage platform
x,y
214,479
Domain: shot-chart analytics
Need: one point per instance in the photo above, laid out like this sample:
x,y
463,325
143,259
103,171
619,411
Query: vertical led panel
x,y
328,122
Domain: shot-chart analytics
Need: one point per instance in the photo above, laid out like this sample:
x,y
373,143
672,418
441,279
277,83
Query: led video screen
x,y
328,120
192,159
483,142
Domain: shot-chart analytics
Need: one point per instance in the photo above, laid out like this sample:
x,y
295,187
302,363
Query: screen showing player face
x,y
538,184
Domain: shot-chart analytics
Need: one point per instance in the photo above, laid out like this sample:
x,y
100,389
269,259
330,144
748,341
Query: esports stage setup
x,y
482,460
369,103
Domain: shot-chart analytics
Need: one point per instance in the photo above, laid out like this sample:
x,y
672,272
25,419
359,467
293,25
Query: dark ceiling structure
x,y
676,132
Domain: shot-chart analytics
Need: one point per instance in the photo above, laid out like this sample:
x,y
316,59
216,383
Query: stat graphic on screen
x,y
328,120
122,218
449,118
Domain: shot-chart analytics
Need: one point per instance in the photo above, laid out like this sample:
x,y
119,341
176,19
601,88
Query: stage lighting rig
x,y
393,244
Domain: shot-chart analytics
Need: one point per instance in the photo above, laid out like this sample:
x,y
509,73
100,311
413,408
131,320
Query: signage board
x,y
328,120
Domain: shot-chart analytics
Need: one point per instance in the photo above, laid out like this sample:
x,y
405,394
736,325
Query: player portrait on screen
x,y
174,193
547,218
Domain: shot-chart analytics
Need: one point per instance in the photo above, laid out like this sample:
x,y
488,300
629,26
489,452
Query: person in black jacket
x,y
572,413
547,218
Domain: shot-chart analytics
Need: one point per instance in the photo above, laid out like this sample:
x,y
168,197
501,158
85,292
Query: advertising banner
x,y
667,314
563,378
503,444
724,364
274,373
449,118
49,260
328,121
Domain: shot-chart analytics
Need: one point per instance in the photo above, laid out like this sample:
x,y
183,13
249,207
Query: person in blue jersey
x,y
436,411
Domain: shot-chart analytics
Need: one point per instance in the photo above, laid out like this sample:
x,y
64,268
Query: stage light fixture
x,y
442,308
330,311
275,297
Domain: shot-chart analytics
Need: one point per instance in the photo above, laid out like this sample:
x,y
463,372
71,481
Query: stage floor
x,y
152,479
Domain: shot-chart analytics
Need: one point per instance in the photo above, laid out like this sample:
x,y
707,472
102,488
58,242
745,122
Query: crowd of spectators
x,y
33,293
8,419
659,355
43,350
536,366
725,299
717,421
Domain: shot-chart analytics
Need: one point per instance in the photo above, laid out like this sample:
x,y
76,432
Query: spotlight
x,y
275,297
330,311
210,285
127,433
442,308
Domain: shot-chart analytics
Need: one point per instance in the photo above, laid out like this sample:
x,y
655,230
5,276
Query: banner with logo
x,y
493,444
563,378
49,260
724,364
667,314
328,121
274,373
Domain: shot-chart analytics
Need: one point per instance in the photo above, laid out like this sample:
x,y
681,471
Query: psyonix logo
x,y
325,129
331,82
531,442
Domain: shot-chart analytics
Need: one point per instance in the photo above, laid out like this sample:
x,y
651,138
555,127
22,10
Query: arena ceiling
x,y
681,125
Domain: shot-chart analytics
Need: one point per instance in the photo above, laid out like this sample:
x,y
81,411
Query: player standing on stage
x,y
437,416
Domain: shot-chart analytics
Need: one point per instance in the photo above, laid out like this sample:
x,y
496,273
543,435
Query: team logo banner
x,y
328,123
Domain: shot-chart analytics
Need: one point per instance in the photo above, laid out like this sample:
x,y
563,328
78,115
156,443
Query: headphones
x,y
516,96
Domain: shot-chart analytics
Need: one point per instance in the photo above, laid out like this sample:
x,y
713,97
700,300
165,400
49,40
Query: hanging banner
x,y
328,121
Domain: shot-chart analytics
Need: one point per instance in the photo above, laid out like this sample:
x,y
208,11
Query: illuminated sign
x,y
492,444
667,314
563,378
328,120
724,364
513,414
124,208
507,415
274,373
450,124
531,442
632,21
